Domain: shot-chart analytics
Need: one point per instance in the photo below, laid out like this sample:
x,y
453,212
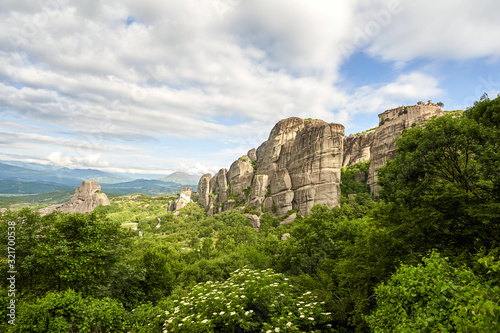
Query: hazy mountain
x,y
65,173
30,178
92,174
11,172
181,178
139,183
12,186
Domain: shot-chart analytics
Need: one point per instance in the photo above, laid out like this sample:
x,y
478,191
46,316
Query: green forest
x,y
421,257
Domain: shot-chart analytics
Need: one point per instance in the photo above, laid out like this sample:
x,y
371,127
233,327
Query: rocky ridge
x,y
88,196
299,165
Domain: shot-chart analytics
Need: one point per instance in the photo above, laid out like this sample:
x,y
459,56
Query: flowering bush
x,y
249,301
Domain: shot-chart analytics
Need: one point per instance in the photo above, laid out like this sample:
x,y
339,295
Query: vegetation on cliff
x,y
422,257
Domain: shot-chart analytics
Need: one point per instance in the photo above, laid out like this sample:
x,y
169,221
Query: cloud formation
x,y
134,74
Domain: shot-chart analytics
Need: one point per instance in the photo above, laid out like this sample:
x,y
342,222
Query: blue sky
x,y
159,86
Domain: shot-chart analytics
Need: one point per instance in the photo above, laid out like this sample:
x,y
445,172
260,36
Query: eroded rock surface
x,y
392,124
357,148
240,175
379,145
297,167
88,196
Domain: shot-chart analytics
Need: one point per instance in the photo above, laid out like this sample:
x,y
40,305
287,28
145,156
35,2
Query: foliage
x,y
71,312
441,180
348,185
362,260
435,296
254,165
62,251
248,301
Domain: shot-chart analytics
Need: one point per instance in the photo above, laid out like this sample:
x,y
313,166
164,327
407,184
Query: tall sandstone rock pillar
x,y
297,167
314,165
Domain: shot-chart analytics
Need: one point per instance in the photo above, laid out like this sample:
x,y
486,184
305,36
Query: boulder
x,y
254,221
289,219
285,236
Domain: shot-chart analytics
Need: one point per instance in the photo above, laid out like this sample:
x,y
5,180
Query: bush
x,y
70,312
249,301
435,297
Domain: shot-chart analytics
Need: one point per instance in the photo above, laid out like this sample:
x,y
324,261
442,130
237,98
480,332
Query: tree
x,y
439,182
159,276
71,312
248,301
435,297
62,251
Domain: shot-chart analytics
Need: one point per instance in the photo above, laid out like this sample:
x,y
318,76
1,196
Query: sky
x,y
150,86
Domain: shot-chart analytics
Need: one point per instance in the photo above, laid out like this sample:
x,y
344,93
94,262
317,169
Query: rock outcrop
x,y
357,148
392,124
88,196
380,145
182,201
297,167
240,175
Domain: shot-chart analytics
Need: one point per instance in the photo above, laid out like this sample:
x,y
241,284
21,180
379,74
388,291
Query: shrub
x,y
249,301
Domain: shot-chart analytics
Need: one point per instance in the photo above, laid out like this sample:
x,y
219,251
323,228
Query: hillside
x,y
35,201
12,186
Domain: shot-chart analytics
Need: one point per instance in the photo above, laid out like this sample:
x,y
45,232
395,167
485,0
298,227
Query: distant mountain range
x,y
32,178
181,178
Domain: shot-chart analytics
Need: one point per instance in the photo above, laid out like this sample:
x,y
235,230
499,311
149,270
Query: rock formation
x,y
88,196
240,175
300,163
297,167
183,199
392,124
379,145
357,148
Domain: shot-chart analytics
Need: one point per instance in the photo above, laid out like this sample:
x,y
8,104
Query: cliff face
x,y
88,196
393,123
357,148
297,167
299,164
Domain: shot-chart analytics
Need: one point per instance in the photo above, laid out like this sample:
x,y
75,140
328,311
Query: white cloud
x,y
458,29
406,89
183,69
89,161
